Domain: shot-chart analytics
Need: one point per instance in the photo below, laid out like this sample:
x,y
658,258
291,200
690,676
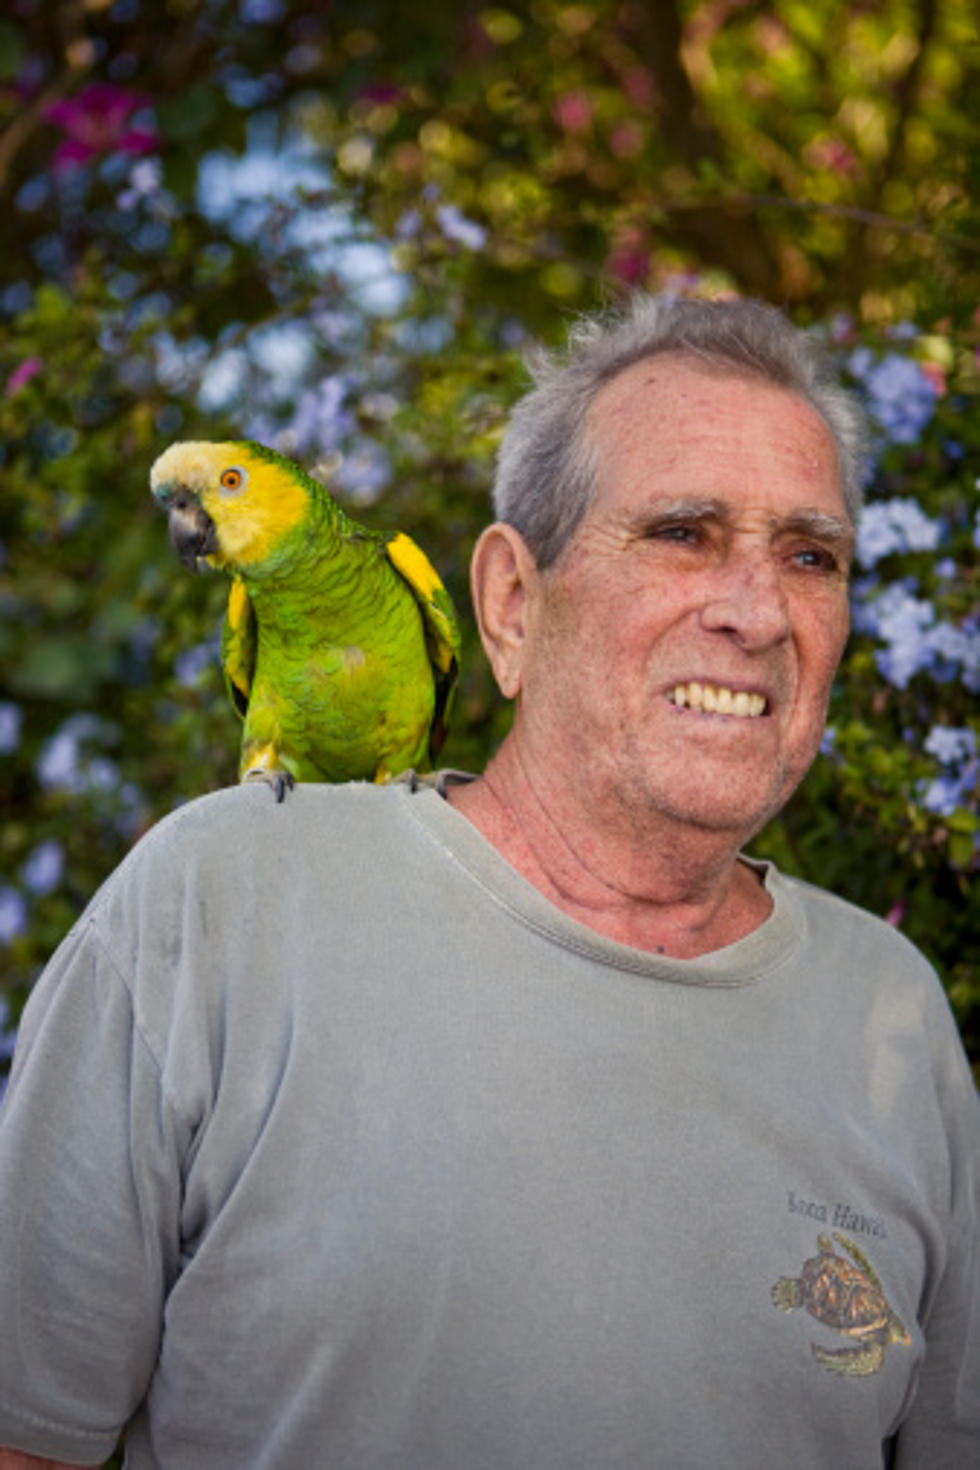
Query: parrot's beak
x,y
192,530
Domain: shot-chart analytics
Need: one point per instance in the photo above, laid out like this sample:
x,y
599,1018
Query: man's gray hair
x,y
546,467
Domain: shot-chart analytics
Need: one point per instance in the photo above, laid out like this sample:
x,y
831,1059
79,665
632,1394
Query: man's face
x,y
680,651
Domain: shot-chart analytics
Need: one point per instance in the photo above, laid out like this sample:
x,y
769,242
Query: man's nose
x,y
747,599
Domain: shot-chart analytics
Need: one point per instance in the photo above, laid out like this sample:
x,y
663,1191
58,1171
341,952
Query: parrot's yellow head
x,y
229,504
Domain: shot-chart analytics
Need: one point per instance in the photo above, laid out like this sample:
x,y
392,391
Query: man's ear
x,y
503,575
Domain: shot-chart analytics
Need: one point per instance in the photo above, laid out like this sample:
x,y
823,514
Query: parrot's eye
x,y
232,479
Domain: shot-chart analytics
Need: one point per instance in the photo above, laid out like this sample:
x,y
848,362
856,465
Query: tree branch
x,y
857,259
740,246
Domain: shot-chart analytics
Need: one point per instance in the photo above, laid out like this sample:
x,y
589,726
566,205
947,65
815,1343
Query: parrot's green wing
x,y
442,638
238,642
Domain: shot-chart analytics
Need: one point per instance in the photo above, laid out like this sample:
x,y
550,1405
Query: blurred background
x,y
337,227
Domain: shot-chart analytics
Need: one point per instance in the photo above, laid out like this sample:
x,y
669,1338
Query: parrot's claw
x,y
279,781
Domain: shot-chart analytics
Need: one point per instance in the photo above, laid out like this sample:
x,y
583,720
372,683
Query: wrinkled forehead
x,y
674,423
666,379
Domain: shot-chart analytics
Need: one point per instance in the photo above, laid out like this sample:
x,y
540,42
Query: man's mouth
x,y
716,699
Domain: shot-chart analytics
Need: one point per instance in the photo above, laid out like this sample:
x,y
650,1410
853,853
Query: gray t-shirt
x,y
332,1143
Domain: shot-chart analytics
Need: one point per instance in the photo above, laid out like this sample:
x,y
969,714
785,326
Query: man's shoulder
x,y
251,809
874,976
212,838
834,906
830,915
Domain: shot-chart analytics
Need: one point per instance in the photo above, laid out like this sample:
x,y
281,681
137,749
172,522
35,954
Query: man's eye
x,y
817,559
683,533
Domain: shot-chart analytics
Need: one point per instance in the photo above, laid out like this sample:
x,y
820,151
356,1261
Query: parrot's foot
x,y
279,780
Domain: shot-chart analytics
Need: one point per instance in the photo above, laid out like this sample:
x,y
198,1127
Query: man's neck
x,y
660,887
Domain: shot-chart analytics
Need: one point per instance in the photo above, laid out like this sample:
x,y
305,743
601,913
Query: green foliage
x,y
438,185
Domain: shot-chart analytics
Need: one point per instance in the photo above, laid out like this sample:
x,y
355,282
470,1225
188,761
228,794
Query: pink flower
x,y
28,369
833,154
573,112
629,259
638,86
630,266
380,93
936,375
626,139
97,121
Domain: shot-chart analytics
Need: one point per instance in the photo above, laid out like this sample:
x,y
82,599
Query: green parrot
x,y
340,646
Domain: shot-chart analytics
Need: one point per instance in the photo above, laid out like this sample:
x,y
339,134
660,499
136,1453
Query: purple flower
x,y
409,225
321,420
947,792
65,765
888,526
11,718
902,622
6,1034
951,745
455,226
13,914
900,395
955,748
913,637
958,652
364,471
44,867
191,663
262,12
96,121
145,182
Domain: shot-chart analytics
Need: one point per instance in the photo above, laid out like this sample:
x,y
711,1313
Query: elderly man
x,y
522,1122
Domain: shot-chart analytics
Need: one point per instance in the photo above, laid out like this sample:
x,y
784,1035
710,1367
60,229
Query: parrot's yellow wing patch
x,y
238,644
442,632
442,639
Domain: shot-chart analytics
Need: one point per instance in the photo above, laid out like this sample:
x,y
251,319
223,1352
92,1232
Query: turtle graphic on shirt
x,y
847,1296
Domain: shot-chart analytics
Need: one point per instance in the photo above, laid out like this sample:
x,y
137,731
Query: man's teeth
x,y
717,700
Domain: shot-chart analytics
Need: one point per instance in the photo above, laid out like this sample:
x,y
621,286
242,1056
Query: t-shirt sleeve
x,y
942,1428
89,1211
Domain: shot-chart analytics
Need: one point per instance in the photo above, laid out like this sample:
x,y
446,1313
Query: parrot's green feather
x,y
340,646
